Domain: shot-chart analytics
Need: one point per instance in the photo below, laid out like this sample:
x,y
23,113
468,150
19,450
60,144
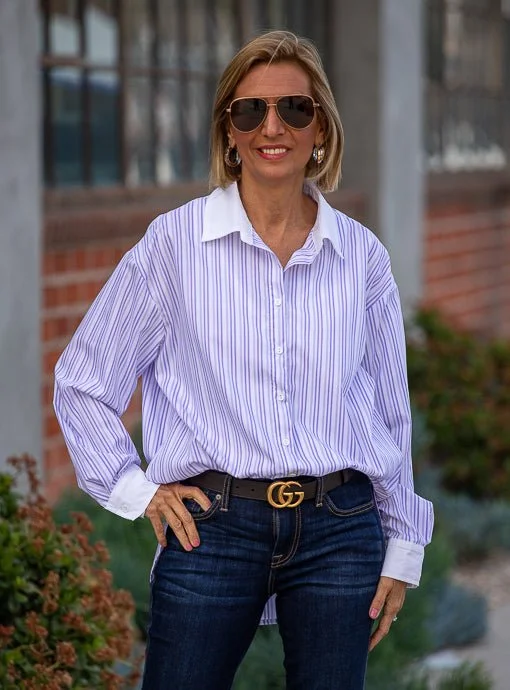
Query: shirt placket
x,y
280,355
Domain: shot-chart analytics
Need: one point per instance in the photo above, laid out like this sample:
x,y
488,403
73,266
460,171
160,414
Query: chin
x,y
277,175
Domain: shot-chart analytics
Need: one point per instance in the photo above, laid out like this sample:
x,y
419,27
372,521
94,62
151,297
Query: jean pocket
x,y
196,509
350,499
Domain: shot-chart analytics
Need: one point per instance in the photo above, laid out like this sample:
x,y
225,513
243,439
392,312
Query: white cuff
x,y
131,494
403,561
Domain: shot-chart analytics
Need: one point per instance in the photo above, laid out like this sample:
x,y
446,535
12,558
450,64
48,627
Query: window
x,y
468,85
128,87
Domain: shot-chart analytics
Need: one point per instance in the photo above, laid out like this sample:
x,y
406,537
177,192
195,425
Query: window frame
x,y
486,176
125,71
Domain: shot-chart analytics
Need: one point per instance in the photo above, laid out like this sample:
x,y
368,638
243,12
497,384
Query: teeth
x,y
273,151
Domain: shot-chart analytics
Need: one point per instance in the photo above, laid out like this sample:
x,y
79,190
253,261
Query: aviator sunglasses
x,y
296,111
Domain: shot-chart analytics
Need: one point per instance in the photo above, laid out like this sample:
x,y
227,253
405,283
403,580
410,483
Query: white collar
x,y
224,214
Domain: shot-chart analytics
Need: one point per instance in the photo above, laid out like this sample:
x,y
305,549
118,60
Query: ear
x,y
320,134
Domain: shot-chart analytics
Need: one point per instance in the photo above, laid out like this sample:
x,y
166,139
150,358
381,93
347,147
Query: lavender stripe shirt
x,y
247,367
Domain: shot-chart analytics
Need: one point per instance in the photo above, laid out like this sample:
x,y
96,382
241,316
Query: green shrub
x,y
466,677
460,617
462,386
262,668
62,625
474,529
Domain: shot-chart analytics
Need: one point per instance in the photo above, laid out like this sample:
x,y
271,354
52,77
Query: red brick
x,y
48,263
71,293
47,396
60,261
50,297
51,426
56,457
50,359
48,330
58,482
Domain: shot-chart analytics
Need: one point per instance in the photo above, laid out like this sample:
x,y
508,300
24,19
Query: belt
x,y
280,493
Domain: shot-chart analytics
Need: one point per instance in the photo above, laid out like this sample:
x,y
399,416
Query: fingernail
x,y
196,542
374,613
188,547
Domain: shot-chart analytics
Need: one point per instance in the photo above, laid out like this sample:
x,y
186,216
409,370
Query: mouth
x,y
272,152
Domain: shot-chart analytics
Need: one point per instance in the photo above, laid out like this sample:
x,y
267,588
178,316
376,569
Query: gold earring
x,y
232,157
319,154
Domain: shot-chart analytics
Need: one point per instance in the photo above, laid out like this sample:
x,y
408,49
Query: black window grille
x,y
128,87
468,71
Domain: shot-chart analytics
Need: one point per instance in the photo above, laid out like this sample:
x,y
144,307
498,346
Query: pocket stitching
x,y
207,513
358,510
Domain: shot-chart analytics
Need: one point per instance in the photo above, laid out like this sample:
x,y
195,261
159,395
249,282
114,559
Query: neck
x,y
277,209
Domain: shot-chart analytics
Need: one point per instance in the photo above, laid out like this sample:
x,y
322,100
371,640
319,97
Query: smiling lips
x,y
272,152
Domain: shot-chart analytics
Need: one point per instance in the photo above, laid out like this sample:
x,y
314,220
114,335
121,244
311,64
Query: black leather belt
x,y
280,493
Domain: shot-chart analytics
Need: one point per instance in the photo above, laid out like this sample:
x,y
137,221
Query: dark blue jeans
x,y
322,561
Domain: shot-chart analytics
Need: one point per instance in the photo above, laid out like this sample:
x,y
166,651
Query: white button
x,y
124,507
286,441
279,350
278,301
281,396
292,474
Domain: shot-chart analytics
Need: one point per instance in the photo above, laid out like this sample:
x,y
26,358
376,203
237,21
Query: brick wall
x,y
72,277
467,257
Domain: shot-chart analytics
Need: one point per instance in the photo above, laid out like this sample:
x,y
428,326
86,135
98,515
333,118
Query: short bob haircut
x,y
278,46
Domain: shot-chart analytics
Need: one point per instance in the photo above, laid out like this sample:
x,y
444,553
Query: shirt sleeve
x,y
407,518
95,378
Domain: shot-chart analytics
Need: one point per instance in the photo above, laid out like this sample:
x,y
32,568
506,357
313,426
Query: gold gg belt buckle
x,y
285,498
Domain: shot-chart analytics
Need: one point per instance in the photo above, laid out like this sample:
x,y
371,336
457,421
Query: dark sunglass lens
x,y
296,111
247,113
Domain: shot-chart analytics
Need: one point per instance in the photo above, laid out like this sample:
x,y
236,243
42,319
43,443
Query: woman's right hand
x,y
167,506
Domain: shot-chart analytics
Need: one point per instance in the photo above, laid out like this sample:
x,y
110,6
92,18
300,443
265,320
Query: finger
x,y
162,507
188,523
177,525
382,630
158,528
378,602
196,494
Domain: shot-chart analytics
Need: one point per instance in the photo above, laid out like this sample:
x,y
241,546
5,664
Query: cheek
x,y
242,141
307,142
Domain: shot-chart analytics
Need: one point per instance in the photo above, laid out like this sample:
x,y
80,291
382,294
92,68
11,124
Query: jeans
x,y
322,561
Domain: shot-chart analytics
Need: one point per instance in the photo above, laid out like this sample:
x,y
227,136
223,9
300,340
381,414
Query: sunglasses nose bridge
x,y
272,118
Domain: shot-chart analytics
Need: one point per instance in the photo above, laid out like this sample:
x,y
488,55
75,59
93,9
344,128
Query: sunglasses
x,y
297,112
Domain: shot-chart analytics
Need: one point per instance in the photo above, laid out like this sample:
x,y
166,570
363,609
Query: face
x,y
274,152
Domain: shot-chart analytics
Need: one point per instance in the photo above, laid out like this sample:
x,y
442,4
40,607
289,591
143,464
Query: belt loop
x,y
320,492
225,498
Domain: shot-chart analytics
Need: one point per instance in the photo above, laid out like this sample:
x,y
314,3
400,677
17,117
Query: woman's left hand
x,y
389,599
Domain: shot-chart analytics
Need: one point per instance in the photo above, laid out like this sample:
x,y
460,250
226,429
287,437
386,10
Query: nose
x,y
272,124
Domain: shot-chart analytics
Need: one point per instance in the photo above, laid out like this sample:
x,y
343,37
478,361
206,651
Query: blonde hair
x,y
278,46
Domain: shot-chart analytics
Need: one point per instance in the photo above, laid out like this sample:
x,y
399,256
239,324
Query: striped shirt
x,y
247,367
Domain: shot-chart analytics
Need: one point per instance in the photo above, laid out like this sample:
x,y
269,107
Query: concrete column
x,y
378,82
20,231
401,158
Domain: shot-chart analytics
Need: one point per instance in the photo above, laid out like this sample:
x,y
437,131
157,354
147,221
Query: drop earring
x,y
232,157
319,153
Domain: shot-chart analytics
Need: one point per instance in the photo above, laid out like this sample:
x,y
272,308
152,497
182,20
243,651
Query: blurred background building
x,y
104,118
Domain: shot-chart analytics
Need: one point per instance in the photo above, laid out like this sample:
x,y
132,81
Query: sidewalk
x,y
493,651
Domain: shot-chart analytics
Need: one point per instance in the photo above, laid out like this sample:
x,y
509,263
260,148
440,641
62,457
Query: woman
x,y
267,330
